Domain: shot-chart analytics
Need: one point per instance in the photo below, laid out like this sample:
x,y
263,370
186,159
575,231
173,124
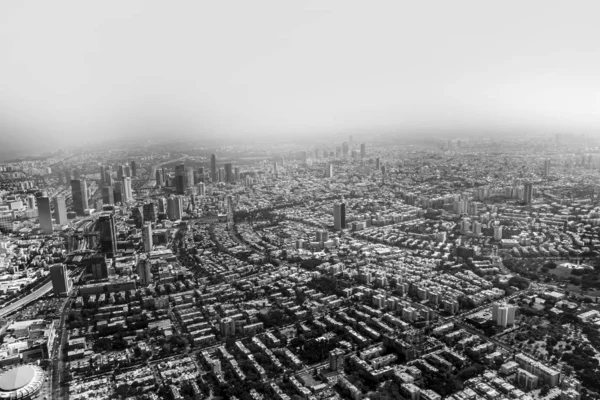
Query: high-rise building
x,y
118,192
199,176
336,360
498,232
102,174
108,178
236,173
329,171
345,149
221,175
150,212
503,314
144,270
120,173
147,235
201,189
180,179
80,196
126,192
60,279
213,168
546,167
363,150
189,177
339,216
45,215
162,205
133,166
228,173
127,171
68,176
227,326
60,210
108,196
159,178
377,164
175,207
108,234
527,192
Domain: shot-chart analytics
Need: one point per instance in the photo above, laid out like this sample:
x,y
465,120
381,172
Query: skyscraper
x,y
159,178
189,177
180,179
175,207
102,174
345,149
60,279
108,234
144,270
329,171
80,195
339,216
60,210
201,189
363,150
147,234
150,212
213,168
133,166
527,192
377,164
236,173
228,173
120,172
108,196
126,192
199,176
45,214
546,167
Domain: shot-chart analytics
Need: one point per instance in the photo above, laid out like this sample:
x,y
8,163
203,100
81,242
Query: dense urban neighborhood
x,y
455,269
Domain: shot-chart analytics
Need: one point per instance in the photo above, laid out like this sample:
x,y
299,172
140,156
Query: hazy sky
x,y
76,69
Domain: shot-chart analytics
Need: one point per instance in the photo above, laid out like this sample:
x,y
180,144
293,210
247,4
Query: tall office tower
x,y
133,166
127,171
213,168
80,196
108,179
546,167
180,179
45,215
282,161
150,212
338,152
189,177
221,175
228,173
236,173
164,175
68,176
345,149
201,189
325,153
354,155
60,279
363,150
126,192
159,178
102,174
377,164
175,207
275,168
200,175
118,193
144,270
305,156
339,216
60,210
147,235
108,196
329,171
120,173
162,205
527,192
108,234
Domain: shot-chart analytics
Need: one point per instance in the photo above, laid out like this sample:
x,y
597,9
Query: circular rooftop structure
x,y
21,382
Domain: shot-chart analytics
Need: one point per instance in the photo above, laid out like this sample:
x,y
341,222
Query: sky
x,y
78,71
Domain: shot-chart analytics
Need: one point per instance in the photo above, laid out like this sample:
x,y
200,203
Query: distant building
x,y
503,314
339,216
144,270
363,152
213,168
108,196
45,215
80,196
329,171
498,232
133,167
147,234
60,210
228,173
150,212
108,234
528,193
180,178
175,207
60,279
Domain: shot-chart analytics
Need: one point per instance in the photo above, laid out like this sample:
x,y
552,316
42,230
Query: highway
x,y
41,291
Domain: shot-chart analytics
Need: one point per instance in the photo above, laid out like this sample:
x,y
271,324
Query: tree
x,y
545,390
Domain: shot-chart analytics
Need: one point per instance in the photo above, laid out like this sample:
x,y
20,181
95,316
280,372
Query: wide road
x,y
41,291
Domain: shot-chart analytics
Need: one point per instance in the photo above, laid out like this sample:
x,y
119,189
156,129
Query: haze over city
x,y
74,72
